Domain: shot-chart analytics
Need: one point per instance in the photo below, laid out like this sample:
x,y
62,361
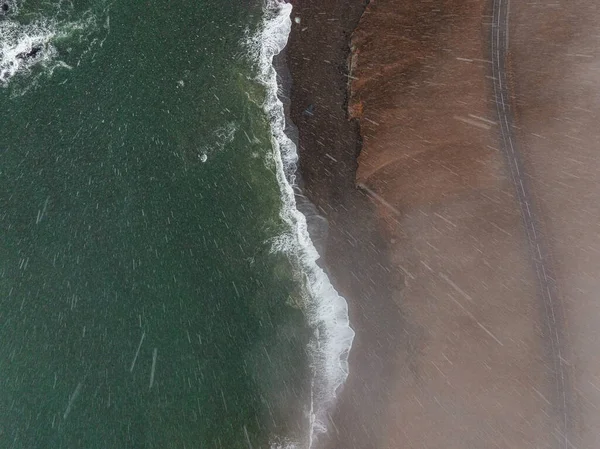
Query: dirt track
x,y
551,303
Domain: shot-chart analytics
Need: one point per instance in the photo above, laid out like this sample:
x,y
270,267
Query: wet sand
x,y
458,345
356,255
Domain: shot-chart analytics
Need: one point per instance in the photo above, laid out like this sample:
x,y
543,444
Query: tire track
x,y
547,290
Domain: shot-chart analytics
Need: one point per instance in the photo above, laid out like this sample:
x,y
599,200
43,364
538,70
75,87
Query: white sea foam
x,y
29,44
325,309
17,40
223,136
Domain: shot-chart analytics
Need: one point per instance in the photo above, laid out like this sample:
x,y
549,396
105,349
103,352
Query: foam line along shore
x,y
325,309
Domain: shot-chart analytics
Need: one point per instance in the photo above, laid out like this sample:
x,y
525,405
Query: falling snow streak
x,y
137,352
548,292
72,400
153,370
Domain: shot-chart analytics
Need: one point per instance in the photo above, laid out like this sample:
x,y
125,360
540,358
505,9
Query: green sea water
x,y
141,302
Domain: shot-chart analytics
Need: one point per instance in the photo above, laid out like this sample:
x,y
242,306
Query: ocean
x,y
158,285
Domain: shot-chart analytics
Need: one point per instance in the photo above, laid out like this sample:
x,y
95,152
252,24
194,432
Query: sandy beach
x,y
357,252
457,170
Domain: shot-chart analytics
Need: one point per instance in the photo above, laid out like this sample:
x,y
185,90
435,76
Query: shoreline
x,y
325,310
355,251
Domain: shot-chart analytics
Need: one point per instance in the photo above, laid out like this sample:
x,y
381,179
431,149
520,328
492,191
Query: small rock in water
x,y
203,157
297,19
30,54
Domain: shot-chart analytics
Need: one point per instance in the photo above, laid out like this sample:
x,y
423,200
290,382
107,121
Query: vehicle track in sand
x,y
553,320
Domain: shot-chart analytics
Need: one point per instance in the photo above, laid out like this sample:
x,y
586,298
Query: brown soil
x,y
430,250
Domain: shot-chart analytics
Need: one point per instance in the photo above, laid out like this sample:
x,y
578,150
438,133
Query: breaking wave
x,y
28,45
325,309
